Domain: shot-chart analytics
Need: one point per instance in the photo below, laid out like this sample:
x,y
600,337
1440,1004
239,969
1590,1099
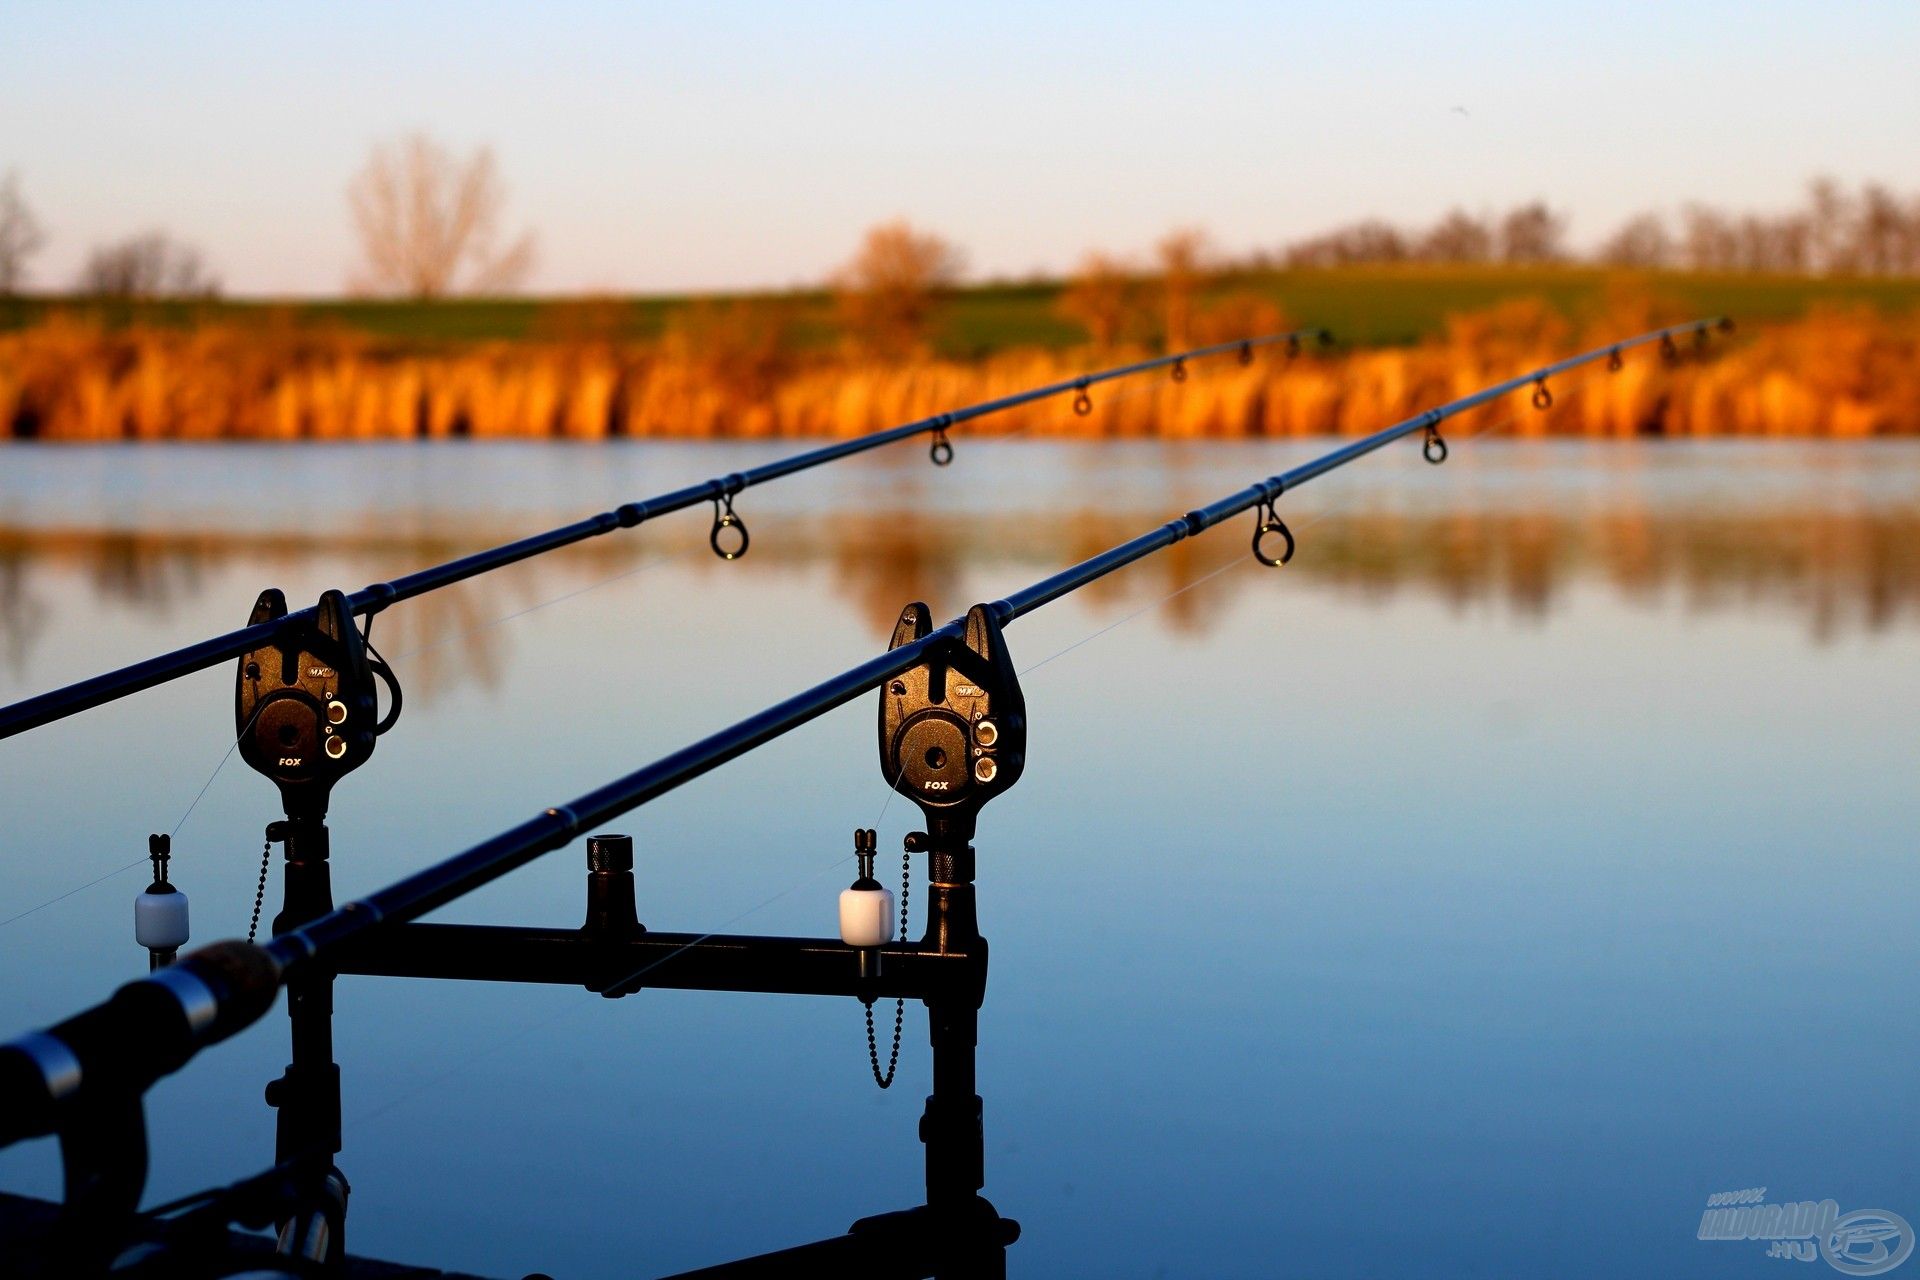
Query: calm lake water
x,y
1532,858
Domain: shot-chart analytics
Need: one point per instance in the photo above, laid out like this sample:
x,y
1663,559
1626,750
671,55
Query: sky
x,y
720,145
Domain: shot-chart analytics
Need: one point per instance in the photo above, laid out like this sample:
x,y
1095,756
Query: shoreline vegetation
x,y
1812,357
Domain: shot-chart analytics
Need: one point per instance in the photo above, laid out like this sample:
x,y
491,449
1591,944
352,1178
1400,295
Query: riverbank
x,y
1840,372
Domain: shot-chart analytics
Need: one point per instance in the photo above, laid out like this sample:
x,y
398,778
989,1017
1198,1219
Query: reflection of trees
x,y
143,570
1841,570
22,616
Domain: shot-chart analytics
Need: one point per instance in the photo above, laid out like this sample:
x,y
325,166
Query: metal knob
x,y
609,853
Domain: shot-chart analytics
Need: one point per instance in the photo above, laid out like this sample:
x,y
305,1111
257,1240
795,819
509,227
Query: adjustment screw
x,y
985,769
336,711
609,853
336,747
986,733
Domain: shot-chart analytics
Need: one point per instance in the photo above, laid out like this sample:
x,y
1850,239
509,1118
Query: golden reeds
x,y
1830,373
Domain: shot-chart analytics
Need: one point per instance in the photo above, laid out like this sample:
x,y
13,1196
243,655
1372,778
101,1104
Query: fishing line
x,y
467,1065
72,699
474,628
1028,420
1577,378
1049,412
427,647
885,1079
1025,422
487,1049
231,747
1239,558
69,893
311,946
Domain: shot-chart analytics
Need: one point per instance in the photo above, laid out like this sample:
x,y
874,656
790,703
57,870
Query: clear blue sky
x,y
735,144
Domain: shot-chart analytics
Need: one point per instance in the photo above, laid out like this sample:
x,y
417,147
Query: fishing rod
x,y
153,1026
728,537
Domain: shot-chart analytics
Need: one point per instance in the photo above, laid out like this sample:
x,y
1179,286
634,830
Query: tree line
x,y
1869,231
430,224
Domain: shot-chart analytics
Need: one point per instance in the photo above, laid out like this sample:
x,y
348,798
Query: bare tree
x,y
1372,240
1711,241
20,236
1776,244
1458,237
1533,233
1642,241
151,265
887,293
1883,232
1913,234
428,223
1833,227
1101,297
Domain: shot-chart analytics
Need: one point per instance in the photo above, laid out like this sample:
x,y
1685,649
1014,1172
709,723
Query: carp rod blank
x,y
440,884
153,1026
58,704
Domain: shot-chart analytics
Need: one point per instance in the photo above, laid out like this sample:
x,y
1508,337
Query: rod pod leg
x,y
951,1126
103,1154
307,1096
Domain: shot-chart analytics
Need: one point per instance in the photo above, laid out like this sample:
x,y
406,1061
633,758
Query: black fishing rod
x,y
728,538
152,1027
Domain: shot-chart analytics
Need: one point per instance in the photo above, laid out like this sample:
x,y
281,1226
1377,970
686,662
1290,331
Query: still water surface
x,y
1530,859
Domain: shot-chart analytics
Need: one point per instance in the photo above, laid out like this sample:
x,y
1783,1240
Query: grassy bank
x,y
1364,306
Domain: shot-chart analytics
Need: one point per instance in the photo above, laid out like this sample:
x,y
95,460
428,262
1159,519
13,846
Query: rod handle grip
x,y
144,1031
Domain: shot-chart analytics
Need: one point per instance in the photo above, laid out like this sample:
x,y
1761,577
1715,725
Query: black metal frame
x,y
946,969
956,1232
620,966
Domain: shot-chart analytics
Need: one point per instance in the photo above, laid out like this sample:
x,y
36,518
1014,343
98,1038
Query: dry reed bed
x,y
1842,374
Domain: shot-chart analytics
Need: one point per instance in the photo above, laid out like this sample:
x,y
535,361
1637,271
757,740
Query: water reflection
x,y
1836,570
1330,933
